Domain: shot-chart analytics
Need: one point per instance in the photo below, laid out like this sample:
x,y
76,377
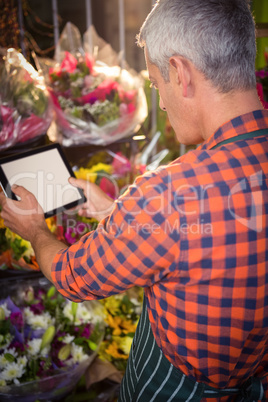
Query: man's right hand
x,y
98,204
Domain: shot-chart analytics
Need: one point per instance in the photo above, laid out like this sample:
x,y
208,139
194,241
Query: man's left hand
x,y
24,217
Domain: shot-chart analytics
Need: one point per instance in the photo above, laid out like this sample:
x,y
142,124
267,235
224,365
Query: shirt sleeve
x,y
131,247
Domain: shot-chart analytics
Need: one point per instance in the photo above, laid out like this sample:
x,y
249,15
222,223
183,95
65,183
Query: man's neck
x,y
220,108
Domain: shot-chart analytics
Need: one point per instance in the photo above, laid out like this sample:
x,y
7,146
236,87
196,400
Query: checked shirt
x,y
193,234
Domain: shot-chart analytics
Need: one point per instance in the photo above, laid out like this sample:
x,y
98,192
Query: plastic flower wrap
x,y
25,105
45,336
95,102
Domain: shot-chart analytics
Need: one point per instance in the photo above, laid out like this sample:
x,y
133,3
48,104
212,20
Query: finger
x,y
82,212
2,198
78,182
20,191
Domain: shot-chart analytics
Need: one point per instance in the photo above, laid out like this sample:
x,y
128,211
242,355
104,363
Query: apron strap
x,y
250,391
253,134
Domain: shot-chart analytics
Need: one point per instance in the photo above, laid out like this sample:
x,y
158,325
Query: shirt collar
x,y
245,123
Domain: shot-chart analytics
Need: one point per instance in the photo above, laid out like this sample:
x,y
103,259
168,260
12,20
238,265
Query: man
x,y
193,233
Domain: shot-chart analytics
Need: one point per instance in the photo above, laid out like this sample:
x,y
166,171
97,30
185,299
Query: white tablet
x,y
44,172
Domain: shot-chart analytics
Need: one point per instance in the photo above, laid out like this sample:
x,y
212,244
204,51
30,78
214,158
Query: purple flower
x,y
37,308
55,348
17,345
31,333
86,331
40,294
261,74
70,235
16,319
11,306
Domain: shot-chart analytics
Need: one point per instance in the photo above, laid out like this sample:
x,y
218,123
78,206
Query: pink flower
x,y
123,109
131,108
130,95
121,165
260,93
89,62
70,235
69,63
108,187
7,129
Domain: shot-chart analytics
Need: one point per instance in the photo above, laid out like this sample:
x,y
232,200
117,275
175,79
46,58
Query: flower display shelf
x,y
59,379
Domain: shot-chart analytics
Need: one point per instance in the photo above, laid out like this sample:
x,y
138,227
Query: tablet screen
x,y
44,172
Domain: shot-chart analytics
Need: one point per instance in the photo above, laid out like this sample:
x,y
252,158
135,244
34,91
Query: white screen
x,y
46,176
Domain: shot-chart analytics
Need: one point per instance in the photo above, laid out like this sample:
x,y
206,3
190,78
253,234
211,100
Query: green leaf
x,y
9,357
92,345
51,292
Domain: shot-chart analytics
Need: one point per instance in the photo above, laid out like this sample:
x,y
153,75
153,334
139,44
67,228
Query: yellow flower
x,y
23,243
112,304
101,167
51,224
128,326
92,173
114,322
86,174
114,351
2,226
120,325
124,343
102,352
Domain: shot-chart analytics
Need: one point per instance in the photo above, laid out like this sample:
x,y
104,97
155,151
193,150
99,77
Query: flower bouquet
x,y
95,103
15,252
121,314
25,106
46,342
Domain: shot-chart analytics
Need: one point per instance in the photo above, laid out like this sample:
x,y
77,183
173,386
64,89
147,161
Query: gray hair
x,y
217,36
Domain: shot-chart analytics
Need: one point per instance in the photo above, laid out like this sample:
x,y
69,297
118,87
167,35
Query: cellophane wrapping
x,y
96,101
26,110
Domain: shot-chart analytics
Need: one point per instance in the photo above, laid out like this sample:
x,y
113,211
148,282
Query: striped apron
x,y
151,377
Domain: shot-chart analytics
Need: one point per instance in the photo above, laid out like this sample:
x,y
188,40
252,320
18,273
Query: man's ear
x,y
180,68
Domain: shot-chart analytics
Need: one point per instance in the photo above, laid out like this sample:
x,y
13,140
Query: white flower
x,y
6,310
34,346
45,351
27,312
38,321
82,315
22,360
3,383
12,371
67,311
138,306
98,312
68,338
78,354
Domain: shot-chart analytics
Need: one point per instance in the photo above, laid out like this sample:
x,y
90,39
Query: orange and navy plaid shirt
x,y
194,235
